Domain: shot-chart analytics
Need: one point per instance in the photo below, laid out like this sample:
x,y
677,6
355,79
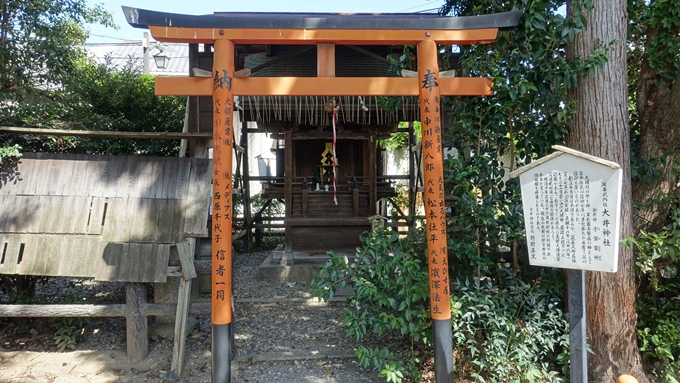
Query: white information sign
x,y
572,209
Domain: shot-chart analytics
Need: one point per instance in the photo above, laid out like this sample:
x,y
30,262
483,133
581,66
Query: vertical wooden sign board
x,y
435,213
572,209
223,125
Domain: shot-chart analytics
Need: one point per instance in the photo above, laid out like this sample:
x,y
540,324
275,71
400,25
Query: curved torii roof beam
x,y
306,28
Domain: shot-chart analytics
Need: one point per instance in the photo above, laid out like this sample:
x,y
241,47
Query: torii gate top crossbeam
x,y
301,28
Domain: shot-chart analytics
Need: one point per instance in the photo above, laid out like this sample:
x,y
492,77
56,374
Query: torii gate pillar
x,y
223,125
435,213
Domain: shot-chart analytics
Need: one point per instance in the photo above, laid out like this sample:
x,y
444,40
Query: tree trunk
x,y
658,107
600,128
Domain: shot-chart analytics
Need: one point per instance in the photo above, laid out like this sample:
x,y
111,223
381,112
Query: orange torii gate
x,y
426,31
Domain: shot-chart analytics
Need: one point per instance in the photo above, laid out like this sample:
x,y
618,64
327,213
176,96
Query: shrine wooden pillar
x,y
435,211
223,125
287,256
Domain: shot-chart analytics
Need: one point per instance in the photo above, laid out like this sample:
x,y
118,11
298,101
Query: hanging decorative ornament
x,y
336,107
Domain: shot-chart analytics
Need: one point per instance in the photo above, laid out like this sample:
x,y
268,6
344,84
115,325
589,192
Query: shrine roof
x,y
142,18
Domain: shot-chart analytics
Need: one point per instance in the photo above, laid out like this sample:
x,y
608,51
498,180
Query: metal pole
x,y
578,354
222,297
438,267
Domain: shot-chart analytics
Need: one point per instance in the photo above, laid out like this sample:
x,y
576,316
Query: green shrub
x,y
511,331
504,329
390,296
658,305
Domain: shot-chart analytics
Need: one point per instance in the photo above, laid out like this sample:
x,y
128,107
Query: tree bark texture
x,y
600,128
658,107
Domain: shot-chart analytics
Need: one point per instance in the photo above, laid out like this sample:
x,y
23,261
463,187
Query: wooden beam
x,y
136,324
102,310
322,86
183,302
104,134
312,36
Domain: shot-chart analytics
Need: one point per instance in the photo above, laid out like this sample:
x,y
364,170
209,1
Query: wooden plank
x,y
40,263
196,206
77,257
47,183
323,86
186,257
78,172
169,180
11,252
149,232
51,216
3,252
125,232
136,324
97,212
18,214
139,216
114,213
131,177
162,256
95,310
154,188
30,265
19,182
61,311
183,302
177,222
112,254
182,181
33,178
133,265
338,36
62,252
63,179
117,173
96,258
164,232
6,207
35,217
98,176
69,215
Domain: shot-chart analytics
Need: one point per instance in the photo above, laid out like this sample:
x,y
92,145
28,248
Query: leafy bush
x,y
9,152
391,296
512,331
504,329
658,306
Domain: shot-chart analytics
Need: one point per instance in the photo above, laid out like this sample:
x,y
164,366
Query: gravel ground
x,y
295,341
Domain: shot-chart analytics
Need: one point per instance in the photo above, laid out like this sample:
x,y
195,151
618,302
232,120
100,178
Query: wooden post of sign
x,y
223,125
435,213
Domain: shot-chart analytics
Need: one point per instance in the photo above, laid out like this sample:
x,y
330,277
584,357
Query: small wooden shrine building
x,y
322,212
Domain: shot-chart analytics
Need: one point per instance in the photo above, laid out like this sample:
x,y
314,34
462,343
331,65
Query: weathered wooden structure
x,y
111,218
